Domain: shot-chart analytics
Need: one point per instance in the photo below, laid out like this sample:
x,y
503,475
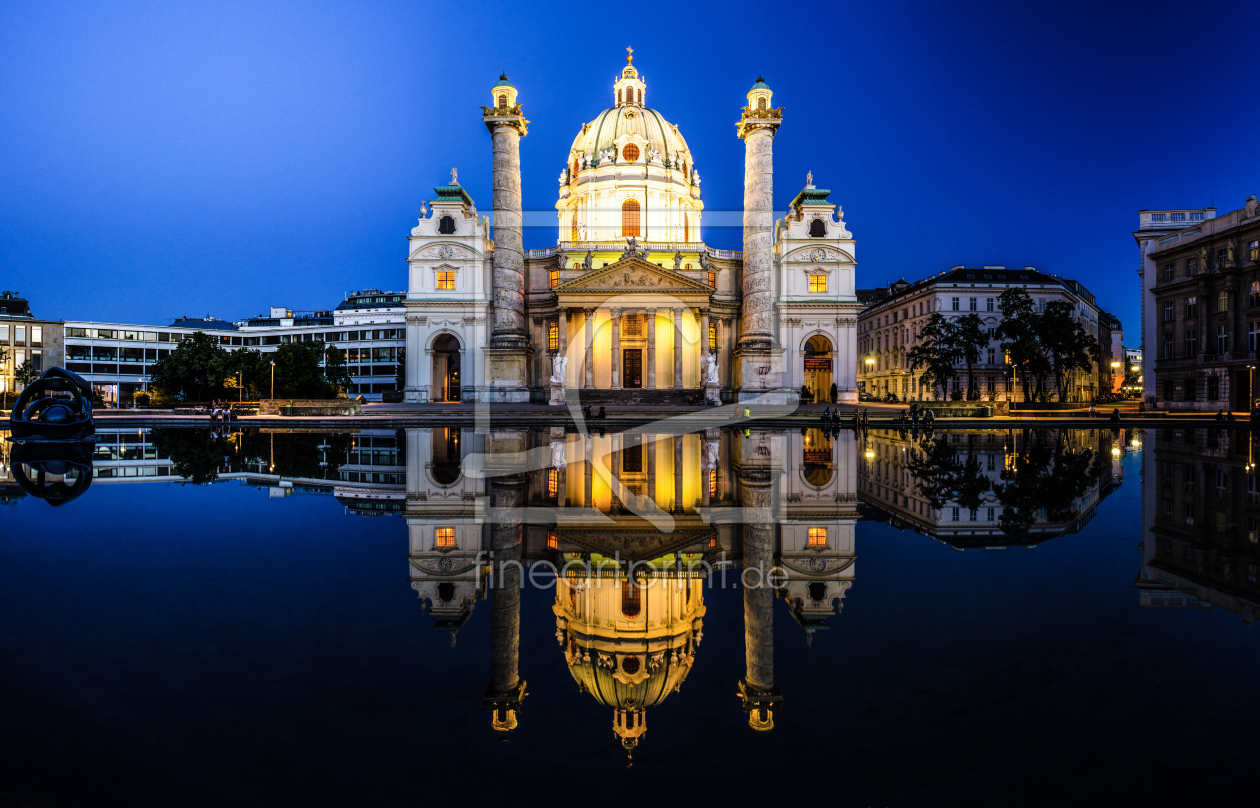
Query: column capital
x,y
651,311
589,311
615,311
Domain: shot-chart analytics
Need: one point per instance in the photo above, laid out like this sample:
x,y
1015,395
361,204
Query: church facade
x,y
630,305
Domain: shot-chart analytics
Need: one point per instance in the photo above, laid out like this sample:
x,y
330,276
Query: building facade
x,y
630,304
893,318
23,339
1153,226
1205,306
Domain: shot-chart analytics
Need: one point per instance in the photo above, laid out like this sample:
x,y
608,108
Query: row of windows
x,y
20,333
1193,266
1190,341
1176,217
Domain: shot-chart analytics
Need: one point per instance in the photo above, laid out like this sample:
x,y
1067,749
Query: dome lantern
x,y
629,87
503,93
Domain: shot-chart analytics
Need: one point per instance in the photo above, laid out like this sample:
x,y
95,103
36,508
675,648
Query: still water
x,y
1017,617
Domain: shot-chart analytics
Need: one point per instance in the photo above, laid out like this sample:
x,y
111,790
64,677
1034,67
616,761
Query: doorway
x,y
632,364
446,368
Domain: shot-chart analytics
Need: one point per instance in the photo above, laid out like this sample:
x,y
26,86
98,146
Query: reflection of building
x,y
1201,520
631,527
649,318
890,324
989,488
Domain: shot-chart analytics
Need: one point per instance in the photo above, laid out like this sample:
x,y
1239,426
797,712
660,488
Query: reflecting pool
x,y
388,617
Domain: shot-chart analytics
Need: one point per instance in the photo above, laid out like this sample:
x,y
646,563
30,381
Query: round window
x,y
630,153
630,665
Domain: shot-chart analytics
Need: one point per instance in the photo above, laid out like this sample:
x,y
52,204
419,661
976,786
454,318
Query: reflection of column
x,y
588,466
564,333
651,353
503,696
758,689
650,442
616,348
678,480
589,361
678,343
704,342
614,471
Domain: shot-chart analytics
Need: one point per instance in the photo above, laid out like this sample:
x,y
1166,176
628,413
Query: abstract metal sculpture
x,y
55,407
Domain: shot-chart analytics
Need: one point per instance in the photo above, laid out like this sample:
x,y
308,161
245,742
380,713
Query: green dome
x,y
760,85
503,82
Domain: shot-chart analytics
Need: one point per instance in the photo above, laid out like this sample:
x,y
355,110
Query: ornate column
x,y
757,346
508,352
649,441
588,469
564,333
678,343
588,363
704,343
650,322
615,315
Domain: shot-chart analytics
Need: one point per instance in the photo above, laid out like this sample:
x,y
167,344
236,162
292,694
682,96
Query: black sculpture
x,y
55,407
59,458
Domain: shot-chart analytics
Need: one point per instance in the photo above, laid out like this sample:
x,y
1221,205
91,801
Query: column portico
x,y
589,360
615,315
678,343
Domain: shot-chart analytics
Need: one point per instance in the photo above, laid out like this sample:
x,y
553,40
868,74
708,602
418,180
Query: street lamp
x,y
240,384
273,380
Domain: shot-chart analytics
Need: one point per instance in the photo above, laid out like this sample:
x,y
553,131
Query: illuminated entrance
x,y
446,368
818,367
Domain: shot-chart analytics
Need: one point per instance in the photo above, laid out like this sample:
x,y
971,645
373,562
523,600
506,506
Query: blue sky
x,y
167,159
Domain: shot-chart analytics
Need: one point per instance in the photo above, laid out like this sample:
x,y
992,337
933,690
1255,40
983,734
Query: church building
x,y
630,305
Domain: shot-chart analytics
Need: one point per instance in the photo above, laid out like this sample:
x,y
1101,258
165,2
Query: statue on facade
x,y
1203,259
557,369
709,368
588,262
558,460
704,260
632,246
677,261
1229,253
561,257
1251,207
454,176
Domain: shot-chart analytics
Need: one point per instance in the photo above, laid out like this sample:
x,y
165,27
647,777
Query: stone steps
x,y
633,397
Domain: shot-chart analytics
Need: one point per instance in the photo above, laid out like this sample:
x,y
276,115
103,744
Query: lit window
x,y
630,219
713,489
1253,250
817,283
817,537
1222,301
553,481
553,336
446,537
712,278
553,278
503,102
630,153
761,103
446,280
552,541
712,334
573,224
687,236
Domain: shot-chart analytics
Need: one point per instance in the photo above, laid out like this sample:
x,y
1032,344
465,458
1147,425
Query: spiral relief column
x,y
508,354
760,694
758,357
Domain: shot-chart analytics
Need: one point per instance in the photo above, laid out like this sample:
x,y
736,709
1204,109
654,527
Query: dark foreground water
x,y
1082,635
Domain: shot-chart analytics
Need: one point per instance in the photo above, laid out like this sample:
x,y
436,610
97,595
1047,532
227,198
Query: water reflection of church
x,y
636,525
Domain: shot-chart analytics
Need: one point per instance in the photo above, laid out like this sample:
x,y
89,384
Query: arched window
x,y
640,96
712,280
817,229
712,332
630,219
446,225
553,336
761,103
686,228
553,278
630,602
573,227
503,102
630,153
574,172
620,97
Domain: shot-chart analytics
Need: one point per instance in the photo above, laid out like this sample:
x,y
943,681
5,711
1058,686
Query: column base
x,y
415,395
507,375
759,371
557,395
712,394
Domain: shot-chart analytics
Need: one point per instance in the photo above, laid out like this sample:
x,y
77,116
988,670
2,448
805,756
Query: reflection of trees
x,y
942,476
200,455
1045,476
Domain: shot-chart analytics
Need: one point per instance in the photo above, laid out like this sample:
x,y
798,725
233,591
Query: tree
x,y
338,375
941,476
1018,332
970,338
299,373
250,369
194,371
1066,343
935,351
25,373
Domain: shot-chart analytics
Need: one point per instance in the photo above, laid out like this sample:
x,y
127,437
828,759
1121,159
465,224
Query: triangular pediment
x,y
633,274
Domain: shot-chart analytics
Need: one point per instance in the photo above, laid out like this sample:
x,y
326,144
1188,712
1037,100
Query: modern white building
x,y
630,304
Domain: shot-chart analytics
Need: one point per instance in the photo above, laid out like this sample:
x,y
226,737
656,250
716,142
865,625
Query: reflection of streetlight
x,y
240,383
273,380
1251,387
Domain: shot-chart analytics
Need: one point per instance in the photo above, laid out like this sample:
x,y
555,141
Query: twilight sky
x,y
167,159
